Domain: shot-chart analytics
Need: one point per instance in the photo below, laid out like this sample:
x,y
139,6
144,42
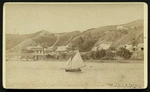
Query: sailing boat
x,y
74,64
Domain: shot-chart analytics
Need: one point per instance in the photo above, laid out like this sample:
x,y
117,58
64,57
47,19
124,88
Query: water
x,y
48,74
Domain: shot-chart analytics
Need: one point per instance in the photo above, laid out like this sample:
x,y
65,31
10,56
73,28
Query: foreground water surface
x,y
48,74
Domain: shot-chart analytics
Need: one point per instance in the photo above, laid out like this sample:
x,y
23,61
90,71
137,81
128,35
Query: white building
x,y
104,46
50,48
128,47
133,27
36,49
62,48
121,28
140,46
94,49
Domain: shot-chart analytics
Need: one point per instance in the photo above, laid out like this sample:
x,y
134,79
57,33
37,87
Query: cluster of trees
x,y
84,43
57,56
122,52
108,54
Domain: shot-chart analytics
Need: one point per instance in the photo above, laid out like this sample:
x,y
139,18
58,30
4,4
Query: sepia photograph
x,y
75,45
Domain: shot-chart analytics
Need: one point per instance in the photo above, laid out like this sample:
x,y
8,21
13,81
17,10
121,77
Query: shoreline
x,y
88,61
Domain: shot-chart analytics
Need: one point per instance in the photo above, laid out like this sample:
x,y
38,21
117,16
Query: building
x,y
50,49
129,47
121,46
62,48
94,49
132,48
133,27
104,46
141,46
139,52
36,49
121,28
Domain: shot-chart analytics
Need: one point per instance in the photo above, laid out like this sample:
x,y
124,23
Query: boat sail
x,y
75,63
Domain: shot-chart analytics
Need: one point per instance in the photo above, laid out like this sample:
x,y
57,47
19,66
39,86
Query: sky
x,y
57,18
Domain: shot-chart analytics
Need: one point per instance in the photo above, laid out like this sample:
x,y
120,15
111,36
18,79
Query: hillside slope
x,y
64,39
95,36
43,38
84,41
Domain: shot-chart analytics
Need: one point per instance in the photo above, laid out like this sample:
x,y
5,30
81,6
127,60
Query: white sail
x,y
68,65
77,61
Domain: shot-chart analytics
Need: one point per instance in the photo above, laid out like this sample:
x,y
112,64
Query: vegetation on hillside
x,y
84,41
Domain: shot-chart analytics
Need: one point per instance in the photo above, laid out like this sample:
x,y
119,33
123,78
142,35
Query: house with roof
x,y
62,48
139,53
121,28
140,46
129,47
104,46
50,49
94,49
36,49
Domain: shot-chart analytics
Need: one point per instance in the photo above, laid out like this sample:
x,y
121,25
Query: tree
x,y
97,54
100,54
122,52
134,41
49,56
86,56
93,54
109,54
88,44
112,48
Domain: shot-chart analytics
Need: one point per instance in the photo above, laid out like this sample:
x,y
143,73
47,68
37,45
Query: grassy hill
x,y
44,38
67,37
95,36
13,39
85,40
133,34
19,42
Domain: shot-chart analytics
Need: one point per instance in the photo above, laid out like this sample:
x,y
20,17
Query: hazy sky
x,y
56,18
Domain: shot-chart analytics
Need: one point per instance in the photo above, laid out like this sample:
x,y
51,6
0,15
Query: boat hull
x,y
73,70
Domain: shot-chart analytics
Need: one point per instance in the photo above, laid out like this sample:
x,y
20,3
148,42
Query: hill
x,y
109,34
66,38
84,41
13,39
43,38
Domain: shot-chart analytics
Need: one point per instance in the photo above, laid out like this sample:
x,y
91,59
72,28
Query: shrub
x,y
63,55
112,48
49,56
98,54
109,54
93,54
86,56
122,52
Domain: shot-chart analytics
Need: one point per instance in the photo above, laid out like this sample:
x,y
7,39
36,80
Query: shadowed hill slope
x,y
84,41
